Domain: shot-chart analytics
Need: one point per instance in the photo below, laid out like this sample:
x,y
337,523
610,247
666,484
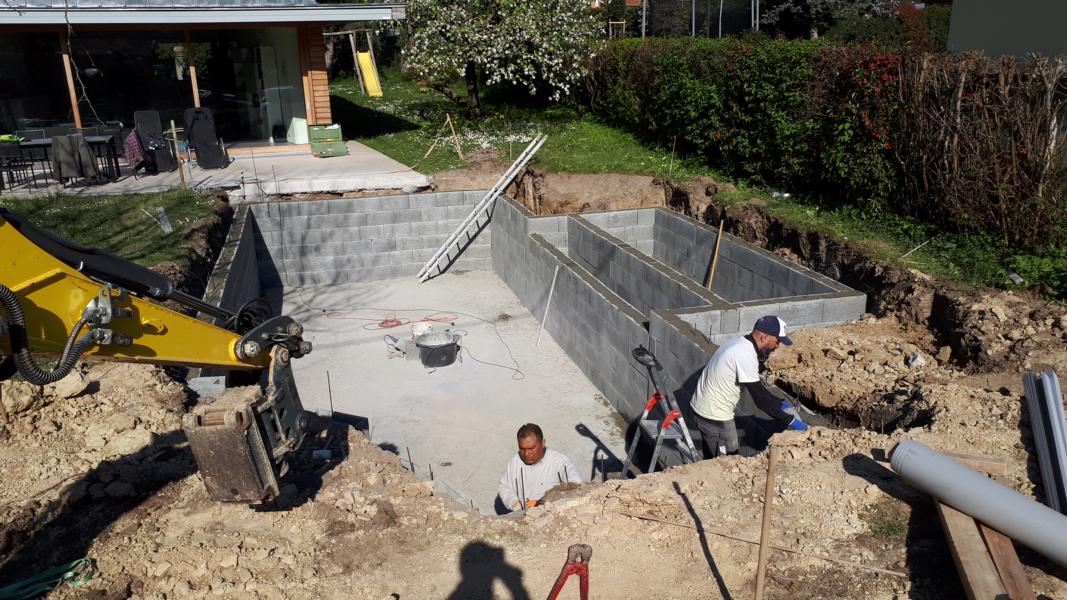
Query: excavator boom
x,y
63,299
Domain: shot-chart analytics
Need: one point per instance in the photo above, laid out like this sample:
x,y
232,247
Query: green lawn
x,y
118,223
409,118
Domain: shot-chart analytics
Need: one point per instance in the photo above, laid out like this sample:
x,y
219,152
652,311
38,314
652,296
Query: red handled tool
x,y
577,563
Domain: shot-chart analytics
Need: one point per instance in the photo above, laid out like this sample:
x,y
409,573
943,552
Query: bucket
x,y
437,349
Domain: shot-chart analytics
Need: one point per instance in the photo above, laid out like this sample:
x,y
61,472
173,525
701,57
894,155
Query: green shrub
x,y
962,141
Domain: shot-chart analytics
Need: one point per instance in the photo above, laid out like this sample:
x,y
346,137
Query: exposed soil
x,y
96,466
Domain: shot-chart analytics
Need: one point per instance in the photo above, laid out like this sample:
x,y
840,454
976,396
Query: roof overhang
x,y
331,13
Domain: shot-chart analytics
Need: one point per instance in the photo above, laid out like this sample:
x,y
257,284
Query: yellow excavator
x,y
78,303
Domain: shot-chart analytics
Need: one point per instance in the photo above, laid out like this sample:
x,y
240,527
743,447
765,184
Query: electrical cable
x,y
388,323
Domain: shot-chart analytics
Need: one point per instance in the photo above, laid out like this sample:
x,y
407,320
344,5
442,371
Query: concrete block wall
x,y
820,310
235,279
744,273
595,327
322,242
597,317
634,227
633,275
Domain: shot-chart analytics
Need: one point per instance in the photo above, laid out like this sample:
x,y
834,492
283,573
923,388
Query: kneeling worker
x,y
735,365
533,470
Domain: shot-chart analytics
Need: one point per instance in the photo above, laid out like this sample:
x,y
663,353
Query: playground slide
x,y
370,74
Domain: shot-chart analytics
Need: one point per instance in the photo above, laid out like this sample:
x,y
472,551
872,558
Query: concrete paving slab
x,y
268,174
461,418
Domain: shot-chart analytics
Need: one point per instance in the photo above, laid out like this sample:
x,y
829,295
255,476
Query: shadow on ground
x,y
360,121
480,565
927,558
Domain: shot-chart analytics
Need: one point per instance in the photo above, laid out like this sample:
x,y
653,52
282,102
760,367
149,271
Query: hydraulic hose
x,y
20,344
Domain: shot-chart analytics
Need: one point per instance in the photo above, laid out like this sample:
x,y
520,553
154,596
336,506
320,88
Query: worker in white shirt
x,y
533,470
733,367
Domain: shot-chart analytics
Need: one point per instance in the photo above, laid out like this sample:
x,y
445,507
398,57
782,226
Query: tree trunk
x,y
331,52
474,108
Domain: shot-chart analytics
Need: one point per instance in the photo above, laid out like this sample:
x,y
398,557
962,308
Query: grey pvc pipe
x,y
998,506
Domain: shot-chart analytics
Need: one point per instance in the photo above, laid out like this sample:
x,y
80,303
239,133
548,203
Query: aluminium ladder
x,y
484,205
671,428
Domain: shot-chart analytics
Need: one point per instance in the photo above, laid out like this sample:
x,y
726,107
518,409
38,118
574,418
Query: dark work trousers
x,y
720,437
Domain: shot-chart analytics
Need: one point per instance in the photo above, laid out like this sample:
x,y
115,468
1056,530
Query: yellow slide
x,y
370,74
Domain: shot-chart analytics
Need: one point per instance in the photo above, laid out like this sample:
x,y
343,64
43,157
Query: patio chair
x,y
16,167
202,137
158,153
86,131
31,134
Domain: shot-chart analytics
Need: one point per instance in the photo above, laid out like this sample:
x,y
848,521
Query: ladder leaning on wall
x,y
484,205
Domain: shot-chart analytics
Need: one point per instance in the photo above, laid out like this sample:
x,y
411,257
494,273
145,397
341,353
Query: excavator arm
x,y
63,299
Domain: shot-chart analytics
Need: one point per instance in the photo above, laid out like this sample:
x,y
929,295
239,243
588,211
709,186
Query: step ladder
x,y
671,428
484,205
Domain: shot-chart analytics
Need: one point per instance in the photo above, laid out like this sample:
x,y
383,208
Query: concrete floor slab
x,y
461,418
263,175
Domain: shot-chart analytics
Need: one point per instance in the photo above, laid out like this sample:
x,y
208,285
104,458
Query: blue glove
x,y
796,424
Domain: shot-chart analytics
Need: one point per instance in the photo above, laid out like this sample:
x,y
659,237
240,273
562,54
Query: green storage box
x,y
327,149
324,133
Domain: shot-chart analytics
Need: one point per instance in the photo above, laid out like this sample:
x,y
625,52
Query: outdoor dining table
x,y
103,147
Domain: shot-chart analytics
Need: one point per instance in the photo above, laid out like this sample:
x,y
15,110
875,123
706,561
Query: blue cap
x,y
772,325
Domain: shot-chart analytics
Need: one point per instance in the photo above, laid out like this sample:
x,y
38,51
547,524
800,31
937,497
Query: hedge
x,y
961,140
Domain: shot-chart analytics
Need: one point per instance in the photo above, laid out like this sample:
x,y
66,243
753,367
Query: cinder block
x,y
399,202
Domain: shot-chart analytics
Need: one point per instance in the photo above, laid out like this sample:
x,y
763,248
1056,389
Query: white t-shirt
x,y
719,389
536,479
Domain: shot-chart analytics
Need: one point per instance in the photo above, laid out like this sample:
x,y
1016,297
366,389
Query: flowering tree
x,y
539,44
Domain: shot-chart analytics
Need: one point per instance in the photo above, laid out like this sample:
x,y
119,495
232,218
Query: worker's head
x,y
768,332
531,443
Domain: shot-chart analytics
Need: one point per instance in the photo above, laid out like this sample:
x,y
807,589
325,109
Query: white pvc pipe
x,y
992,503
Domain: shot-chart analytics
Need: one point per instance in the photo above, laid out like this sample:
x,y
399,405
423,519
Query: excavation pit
x,y
618,280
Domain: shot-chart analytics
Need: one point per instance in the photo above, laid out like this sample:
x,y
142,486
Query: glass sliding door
x,y
33,85
251,80
127,71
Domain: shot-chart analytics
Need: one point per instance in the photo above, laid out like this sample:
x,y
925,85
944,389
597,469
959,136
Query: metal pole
x,y
548,305
720,18
768,502
693,18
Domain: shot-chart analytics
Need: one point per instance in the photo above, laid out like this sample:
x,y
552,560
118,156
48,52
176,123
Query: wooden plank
x,y
1008,565
993,466
977,572
75,109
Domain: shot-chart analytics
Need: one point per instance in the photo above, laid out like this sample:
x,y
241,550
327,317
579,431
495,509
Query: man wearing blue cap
x,y
735,365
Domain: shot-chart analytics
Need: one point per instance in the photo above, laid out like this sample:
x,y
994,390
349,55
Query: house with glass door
x,y
259,65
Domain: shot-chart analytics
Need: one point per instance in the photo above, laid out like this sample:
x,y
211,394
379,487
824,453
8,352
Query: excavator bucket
x,y
241,437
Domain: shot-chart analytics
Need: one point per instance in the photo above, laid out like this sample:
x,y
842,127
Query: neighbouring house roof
x,y
170,12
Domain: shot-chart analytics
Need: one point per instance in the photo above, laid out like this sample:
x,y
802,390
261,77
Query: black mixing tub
x,y
437,349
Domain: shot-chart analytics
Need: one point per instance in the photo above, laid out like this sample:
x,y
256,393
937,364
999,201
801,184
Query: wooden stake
x,y
455,139
192,70
765,529
715,258
432,146
177,153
